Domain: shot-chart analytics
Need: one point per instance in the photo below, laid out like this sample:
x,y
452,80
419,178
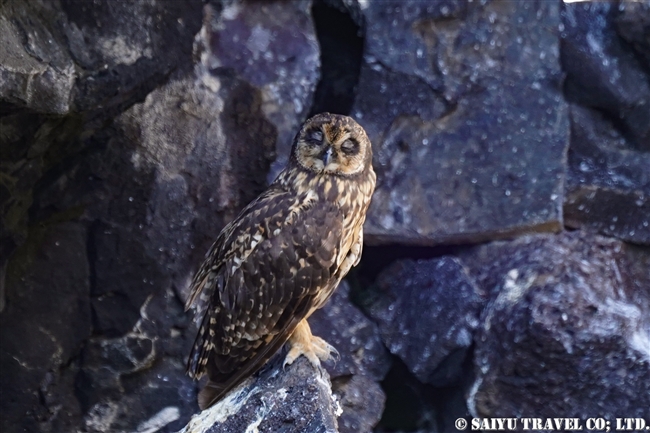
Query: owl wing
x,y
261,278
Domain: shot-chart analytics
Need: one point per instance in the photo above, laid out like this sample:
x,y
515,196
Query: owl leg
x,y
302,342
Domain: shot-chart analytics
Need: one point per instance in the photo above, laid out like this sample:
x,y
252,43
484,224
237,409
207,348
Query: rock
x,y
463,104
45,321
427,312
161,402
151,227
632,24
397,96
608,184
362,401
273,47
36,70
127,49
565,320
131,133
603,72
150,190
363,360
120,289
296,399
138,379
410,404
638,259
341,51
32,145
202,170
356,338
67,56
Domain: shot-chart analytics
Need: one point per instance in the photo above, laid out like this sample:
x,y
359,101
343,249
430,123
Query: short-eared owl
x,y
282,257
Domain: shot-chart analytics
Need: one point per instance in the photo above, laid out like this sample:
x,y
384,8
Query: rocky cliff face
x,y
507,260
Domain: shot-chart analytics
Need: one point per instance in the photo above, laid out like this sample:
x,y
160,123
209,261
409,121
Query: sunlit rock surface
x,y
293,400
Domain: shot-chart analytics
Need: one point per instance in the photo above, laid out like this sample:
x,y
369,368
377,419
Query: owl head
x,y
332,144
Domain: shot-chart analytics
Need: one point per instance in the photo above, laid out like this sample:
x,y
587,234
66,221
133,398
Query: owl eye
x,y
315,137
350,147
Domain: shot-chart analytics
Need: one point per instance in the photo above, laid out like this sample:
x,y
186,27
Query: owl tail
x,y
210,393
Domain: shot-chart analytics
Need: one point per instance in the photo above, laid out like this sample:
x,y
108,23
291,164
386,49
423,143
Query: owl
x,y
282,258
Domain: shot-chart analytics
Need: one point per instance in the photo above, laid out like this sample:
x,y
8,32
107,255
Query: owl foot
x,y
302,342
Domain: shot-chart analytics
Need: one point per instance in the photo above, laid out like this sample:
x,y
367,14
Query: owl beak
x,y
327,157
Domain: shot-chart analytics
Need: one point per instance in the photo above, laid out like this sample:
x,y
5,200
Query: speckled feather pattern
x,y
282,257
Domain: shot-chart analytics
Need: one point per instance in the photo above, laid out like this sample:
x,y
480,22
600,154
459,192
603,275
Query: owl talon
x,y
334,354
314,348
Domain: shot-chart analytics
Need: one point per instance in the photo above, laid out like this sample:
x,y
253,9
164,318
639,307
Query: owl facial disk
x,y
337,146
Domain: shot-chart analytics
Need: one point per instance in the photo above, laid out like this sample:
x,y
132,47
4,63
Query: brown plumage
x,y
282,257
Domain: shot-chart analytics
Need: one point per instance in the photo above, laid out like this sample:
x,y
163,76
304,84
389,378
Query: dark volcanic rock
x,y
410,404
125,47
633,24
149,190
66,56
566,333
462,103
46,319
427,312
341,52
362,401
138,380
132,132
363,360
191,165
356,338
30,146
296,399
161,402
119,290
608,187
36,69
603,72
273,47
195,138
638,259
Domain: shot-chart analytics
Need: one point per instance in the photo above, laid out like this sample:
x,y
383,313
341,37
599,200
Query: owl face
x,y
332,144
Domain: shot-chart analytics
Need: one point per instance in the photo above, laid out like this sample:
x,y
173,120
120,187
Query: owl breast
x,y
352,198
